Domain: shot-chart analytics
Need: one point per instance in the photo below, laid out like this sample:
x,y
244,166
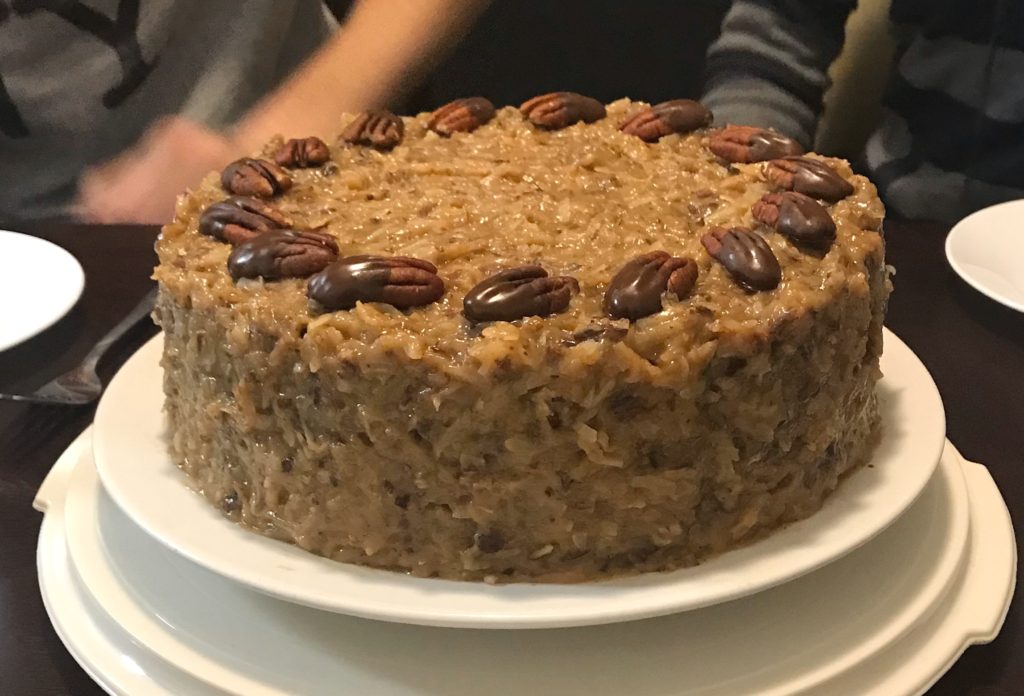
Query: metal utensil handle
x,y
143,309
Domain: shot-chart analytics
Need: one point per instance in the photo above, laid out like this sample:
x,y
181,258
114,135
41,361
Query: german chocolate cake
x,y
553,343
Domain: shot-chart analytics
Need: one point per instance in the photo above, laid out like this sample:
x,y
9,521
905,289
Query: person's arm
x,y
769,67
383,46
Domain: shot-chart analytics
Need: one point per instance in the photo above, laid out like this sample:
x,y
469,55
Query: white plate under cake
x,y
132,460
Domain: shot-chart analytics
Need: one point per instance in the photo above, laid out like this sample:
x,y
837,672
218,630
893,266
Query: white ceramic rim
x,y
73,283
963,228
90,635
157,630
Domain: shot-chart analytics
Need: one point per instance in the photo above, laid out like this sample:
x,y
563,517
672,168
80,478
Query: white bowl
x,y
985,250
39,282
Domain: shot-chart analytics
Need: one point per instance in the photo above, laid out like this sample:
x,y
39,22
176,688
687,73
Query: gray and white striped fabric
x,y
951,137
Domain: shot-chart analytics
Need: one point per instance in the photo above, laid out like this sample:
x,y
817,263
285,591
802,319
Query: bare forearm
x,y
383,47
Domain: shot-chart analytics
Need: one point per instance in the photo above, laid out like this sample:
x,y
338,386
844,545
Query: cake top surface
x,y
580,201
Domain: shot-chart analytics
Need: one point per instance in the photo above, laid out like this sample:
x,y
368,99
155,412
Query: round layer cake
x,y
552,343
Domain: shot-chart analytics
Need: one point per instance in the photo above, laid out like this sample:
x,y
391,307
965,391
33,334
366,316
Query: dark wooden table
x,y
973,347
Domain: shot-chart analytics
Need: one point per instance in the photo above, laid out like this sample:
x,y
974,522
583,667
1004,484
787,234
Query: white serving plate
x,y
132,462
984,250
103,650
889,619
34,300
972,615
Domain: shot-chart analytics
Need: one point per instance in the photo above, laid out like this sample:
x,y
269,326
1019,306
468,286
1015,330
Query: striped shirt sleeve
x,y
770,65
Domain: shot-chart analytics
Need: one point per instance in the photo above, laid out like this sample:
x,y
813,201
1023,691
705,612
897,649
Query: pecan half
x,y
238,219
636,289
750,144
461,116
799,217
518,292
380,129
303,153
675,116
809,176
282,254
745,255
255,177
399,281
561,109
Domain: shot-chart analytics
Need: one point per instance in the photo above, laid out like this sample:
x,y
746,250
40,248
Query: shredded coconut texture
x,y
558,449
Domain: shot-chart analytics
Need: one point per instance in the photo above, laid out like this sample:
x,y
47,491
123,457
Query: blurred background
x,y
197,84
647,50
606,49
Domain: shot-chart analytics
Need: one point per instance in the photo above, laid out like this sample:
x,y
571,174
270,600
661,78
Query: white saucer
x,y
889,618
984,250
136,471
39,282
